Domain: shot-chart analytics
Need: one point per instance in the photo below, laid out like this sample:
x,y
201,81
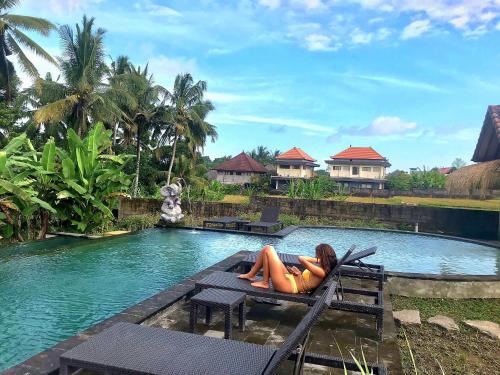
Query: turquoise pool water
x,y
53,289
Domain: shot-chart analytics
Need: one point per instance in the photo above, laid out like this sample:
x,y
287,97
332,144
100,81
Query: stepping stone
x,y
407,317
489,328
444,322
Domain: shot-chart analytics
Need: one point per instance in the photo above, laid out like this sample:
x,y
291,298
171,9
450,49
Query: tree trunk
x,y
44,225
5,62
137,163
115,130
174,147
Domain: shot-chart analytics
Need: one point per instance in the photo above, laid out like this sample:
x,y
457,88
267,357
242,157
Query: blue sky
x,y
411,78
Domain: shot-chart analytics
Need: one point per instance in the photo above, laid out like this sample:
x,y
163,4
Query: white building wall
x,y
300,171
364,171
234,178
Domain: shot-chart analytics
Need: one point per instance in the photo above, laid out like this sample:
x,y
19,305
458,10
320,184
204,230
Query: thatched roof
x,y
479,177
488,144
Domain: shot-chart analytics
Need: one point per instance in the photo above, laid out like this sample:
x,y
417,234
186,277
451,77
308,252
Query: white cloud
x,y
272,4
320,42
308,4
415,29
224,97
155,9
360,37
165,69
389,125
291,123
395,81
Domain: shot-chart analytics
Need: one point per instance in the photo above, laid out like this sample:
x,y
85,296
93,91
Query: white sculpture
x,y
171,206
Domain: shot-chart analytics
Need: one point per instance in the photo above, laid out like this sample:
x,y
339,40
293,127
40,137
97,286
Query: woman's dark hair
x,y
326,256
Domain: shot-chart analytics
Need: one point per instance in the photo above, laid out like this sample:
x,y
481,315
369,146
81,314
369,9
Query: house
x,y
488,144
240,170
292,164
358,167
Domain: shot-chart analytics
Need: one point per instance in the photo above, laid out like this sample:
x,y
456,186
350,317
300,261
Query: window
x,y
284,166
238,173
355,171
366,186
296,167
346,168
336,168
376,169
366,169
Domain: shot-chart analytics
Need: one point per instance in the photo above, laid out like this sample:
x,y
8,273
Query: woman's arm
x,y
309,259
315,269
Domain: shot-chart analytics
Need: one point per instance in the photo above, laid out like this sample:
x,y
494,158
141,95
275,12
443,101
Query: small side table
x,y
225,300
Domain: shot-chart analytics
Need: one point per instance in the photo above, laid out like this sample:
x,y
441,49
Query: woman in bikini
x,y
289,279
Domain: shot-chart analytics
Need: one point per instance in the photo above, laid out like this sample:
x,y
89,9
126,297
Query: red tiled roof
x,y
445,170
295,153
364,153
241,163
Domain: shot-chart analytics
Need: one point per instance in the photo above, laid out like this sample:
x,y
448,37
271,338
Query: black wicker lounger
x,y
225,221
230,281
354,266
133,349
268,219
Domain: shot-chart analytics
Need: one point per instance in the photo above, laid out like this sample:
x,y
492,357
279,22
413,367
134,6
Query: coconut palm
x,y
144,112
83,97
188,112
12,38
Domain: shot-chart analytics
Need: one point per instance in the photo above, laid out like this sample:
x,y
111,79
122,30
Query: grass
x,y
488,204
239,199
464,352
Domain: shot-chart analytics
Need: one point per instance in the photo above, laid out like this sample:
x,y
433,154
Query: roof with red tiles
x,y
488,143
241,163
295,154
446,170
362,153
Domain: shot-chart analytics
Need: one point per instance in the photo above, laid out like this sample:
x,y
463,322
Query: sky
x,y
410,78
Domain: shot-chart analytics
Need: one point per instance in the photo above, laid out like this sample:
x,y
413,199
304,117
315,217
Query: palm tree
x,y
188,112
83,96
11,40
145,112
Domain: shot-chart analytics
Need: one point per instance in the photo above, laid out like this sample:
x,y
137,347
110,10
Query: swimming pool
x,y
53,289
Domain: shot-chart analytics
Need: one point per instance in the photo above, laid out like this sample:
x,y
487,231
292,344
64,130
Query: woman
x,y
289,279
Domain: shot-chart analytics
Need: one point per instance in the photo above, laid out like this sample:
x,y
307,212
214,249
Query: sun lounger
x,y
225,221
268,219
134,349
230,281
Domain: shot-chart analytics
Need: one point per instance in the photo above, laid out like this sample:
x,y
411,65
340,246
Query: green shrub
x,y
137,222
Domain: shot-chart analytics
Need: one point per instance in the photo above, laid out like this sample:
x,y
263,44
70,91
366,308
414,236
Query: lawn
x,y
489,204
239,199
464,352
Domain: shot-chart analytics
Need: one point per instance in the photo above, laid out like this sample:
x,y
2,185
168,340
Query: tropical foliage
x,y
421,180
77,186
12,39
314,188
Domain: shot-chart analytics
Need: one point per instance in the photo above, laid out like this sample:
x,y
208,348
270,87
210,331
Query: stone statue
x,y
171,207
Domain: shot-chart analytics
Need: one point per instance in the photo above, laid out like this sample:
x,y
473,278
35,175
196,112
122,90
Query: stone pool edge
x,y
47,362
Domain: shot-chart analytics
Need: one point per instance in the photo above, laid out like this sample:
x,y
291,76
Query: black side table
x,y
225,300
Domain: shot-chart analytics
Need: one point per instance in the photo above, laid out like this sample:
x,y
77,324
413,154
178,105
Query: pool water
x,y
53,289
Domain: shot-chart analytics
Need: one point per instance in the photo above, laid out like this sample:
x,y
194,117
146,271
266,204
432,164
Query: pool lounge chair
x,y
354,266
225,221
134,349
268,219
230,281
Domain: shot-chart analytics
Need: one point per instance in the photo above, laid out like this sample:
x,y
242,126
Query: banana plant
x,y
18,193
91,179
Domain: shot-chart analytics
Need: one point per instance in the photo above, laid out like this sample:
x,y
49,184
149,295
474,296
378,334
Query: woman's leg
x,y
274,269
256,267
